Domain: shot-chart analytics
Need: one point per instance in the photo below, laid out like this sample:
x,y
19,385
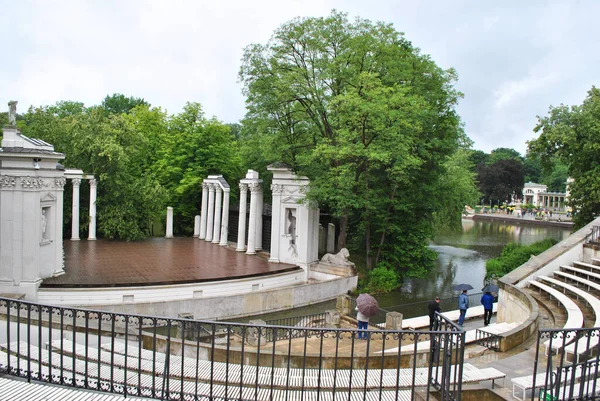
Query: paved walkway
x,y
156,261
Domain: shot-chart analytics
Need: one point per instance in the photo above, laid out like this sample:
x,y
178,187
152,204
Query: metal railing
x,y
183,359
577,379
420,308
488,340
306,321
593,237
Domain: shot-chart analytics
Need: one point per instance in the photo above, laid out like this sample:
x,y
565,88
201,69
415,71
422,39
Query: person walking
x,y
363,324
487,300
433,306
463,305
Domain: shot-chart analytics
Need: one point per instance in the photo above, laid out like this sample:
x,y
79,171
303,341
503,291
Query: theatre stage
x,y
156,261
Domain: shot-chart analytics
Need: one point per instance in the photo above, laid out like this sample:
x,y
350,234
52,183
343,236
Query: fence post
x,y
343,305
332,318
393,321
253,333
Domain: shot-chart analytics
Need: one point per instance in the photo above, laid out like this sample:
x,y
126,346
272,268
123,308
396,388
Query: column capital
x,y
243,187
255,187
60,182
211,186
93,182
76,182
277,188
205,185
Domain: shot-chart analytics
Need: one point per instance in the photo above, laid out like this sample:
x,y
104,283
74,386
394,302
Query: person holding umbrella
x,y
366,306
487,300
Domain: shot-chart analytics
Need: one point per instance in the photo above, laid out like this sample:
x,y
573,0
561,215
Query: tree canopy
x,y
571,134
371,121
142,158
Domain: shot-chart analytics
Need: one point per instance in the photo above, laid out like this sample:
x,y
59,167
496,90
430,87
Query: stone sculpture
x,y
338,259
12,113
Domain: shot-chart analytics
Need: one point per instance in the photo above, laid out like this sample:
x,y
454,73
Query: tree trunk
x,y
343,232
368,244
382,240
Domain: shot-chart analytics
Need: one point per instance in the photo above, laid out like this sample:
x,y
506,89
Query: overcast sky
x,y
514,58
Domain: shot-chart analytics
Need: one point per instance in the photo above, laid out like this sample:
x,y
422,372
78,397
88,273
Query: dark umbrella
x,y
462,287
490,288
367,305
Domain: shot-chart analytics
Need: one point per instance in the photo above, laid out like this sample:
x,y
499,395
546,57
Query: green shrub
x,y
514,255
382,279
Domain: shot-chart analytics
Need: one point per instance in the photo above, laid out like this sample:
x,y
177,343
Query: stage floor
x,y
156,261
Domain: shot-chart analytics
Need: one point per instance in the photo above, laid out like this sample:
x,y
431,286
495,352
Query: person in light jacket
x,y
463,305
487,300
363,325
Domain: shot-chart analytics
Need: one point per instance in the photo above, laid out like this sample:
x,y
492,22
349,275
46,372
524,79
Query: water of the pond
x,y
461,259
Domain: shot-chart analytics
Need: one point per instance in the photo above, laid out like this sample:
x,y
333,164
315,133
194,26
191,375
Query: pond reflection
x,y
462,256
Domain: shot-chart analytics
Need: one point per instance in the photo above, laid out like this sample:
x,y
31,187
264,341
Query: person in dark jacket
x,y
433,306
463,305
487,300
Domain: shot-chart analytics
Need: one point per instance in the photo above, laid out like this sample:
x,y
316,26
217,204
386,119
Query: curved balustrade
x,y
181,359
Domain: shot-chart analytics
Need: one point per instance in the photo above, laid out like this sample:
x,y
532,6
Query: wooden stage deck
x,y
156,261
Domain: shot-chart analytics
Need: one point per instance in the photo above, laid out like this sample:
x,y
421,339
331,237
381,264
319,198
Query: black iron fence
x,y
306,321
566,365
182,359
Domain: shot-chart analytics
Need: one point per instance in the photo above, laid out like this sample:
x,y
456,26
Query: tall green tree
x,y
193,148
502,180
571,135
108,146
119,103
355,107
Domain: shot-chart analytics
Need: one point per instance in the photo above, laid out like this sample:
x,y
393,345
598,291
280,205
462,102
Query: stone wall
x,y
228,304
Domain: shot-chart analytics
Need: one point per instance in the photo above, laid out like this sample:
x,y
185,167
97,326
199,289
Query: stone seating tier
x,y
580,347
574,316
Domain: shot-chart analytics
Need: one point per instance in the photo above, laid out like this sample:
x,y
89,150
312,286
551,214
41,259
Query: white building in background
x,y
538,195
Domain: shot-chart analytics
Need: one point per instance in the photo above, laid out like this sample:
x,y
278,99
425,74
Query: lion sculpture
x,y
338,259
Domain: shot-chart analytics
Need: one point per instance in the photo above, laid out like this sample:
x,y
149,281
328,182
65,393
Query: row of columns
x,y
255,223
214,217
75,209
553,201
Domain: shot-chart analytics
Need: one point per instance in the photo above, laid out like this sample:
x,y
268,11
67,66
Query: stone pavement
x,y
156,261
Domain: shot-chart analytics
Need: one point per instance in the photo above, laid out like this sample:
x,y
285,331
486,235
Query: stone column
x,y
241,242
75,210
217,223
277,191
203,211
259,218
93,194
330,238
211,210
225,218
169,228
196,225
254,189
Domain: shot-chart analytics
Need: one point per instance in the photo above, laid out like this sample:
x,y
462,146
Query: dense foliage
x,y
143,159
371,121
514,255
570,134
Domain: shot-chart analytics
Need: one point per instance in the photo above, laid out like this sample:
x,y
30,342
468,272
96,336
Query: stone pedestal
x,y
93,195
393,321
343,305
330,238
196,225
169,227
31,213
254,336
295,223
332,318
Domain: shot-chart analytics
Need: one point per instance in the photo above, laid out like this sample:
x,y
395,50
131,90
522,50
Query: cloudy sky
x,y
514,58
